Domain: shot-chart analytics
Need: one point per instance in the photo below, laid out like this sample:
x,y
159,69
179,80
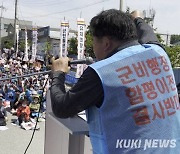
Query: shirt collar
x,y
123,46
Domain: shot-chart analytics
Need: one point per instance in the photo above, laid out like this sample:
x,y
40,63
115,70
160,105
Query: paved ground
x,y
15,140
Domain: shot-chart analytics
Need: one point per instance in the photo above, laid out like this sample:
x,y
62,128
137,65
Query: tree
x,y
174,55
160,39
7,43
47,47
47,54
73,42
89,44
174,39
72,49
22,45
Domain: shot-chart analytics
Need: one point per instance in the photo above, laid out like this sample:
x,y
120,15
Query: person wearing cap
x,y
10,95
23,111
28,90
19,99
35,105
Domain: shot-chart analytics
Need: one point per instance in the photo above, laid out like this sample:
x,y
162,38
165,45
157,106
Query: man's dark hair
x,y
115,24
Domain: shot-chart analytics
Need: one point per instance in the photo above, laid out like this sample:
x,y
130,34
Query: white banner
x,y
64,38
26,47
17,39
34,43
81,38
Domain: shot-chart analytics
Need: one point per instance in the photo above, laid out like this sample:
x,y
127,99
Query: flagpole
x,y
15,21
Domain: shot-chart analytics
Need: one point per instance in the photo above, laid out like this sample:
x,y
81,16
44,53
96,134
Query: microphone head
x,y
89,60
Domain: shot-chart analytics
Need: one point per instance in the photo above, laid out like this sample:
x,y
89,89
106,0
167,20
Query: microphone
x,y
87,60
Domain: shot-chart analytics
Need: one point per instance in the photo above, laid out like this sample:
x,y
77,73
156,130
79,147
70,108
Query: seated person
x,y
10,96
23,112
34,106
18,102
3,113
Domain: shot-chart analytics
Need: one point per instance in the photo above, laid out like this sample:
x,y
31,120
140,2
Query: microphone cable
x,y
41,98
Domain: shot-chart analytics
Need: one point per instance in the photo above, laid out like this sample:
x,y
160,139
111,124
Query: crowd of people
x,y
24,97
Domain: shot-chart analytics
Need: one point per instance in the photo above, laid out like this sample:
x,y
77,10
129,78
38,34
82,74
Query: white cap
x,y
34,92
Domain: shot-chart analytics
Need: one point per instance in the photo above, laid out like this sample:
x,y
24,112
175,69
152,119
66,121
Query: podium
x,y
65,136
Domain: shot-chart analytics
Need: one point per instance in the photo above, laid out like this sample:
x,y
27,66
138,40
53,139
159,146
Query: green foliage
x,y
29,43
47,47
72,49
174,55
89,44
21,45
73,42
7,43
174,39
160,39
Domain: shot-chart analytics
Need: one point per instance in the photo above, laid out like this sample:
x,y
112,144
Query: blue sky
x,y
52,12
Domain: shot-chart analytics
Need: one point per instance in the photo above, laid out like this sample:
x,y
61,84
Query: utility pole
x,y
121,5
15,21
2,9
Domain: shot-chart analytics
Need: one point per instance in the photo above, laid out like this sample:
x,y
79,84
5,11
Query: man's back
x,y
141,101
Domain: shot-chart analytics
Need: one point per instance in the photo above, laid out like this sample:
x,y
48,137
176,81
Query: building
x,y
166,39
5,22
45,34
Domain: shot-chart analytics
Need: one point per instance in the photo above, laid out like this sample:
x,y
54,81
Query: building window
x,y
6,26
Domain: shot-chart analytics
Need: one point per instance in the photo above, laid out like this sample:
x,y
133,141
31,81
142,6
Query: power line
x,y
68,10
46,4
50,4
22,16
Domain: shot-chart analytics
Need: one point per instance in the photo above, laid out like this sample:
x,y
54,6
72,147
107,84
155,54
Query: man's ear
x,y
107,44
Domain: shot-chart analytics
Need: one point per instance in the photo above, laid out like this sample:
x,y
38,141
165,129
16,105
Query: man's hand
x,y
60,64
135,14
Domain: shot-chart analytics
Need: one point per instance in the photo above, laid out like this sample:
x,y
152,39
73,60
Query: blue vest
x,y
140,111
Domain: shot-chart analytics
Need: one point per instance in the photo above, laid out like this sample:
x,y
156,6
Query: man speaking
x,y
129,94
